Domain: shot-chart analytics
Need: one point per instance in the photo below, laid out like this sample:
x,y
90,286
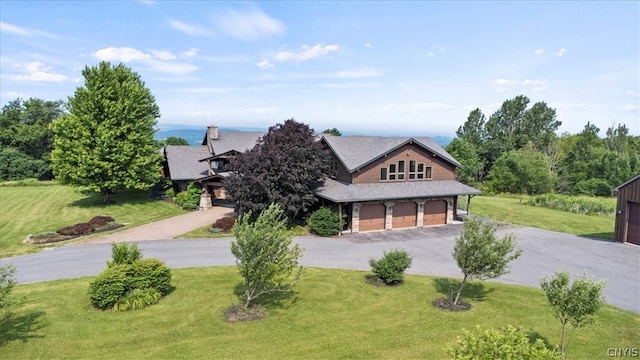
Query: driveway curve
x,y
545,252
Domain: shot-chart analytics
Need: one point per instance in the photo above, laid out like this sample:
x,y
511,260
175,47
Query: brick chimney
x,y
213,132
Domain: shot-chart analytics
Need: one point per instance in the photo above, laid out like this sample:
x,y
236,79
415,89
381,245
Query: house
x,y
383,183
378,182
627,227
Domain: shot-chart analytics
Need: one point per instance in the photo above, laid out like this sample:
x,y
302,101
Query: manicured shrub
x,y
124,253
190,199
504,343
390,268
129,282
324,222
225,224
109,286
77,229
151,274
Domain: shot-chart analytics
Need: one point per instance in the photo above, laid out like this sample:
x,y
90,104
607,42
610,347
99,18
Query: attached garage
x,y
405,215
627,228
435,212
633,227
372,217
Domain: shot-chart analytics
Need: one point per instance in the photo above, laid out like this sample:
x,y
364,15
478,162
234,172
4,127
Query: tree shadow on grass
x,y
20,327
603,236
474,290
534,336
278,299
95,200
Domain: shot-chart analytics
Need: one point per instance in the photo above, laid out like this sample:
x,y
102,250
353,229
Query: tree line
x,y
517,150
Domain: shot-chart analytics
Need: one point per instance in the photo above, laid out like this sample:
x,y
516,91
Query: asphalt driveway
x,y
545,252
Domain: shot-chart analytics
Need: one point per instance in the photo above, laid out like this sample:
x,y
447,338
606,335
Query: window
x,y
420,171
427,172
334,169
392,172
401,170
412,169
383,174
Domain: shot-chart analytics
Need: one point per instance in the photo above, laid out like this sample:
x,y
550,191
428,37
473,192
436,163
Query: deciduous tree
x,y
573,304
480,254
265,258
282,168
106,141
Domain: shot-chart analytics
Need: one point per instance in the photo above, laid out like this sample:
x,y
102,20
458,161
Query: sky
x,y
410,68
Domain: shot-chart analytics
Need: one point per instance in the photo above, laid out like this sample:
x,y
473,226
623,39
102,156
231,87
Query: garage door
x,y
404,215
372,217
633,227
435,212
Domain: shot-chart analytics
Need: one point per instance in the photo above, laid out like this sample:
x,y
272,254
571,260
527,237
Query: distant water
x,y
195,136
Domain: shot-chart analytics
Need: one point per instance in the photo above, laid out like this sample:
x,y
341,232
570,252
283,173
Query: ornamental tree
x,y
106,141
282,169
573,304
265,258
480,254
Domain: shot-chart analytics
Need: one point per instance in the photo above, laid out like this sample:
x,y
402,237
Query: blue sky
x,y
414,68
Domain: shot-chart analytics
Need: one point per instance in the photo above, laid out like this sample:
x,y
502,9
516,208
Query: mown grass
x,y
514,210
35,209
334,314
203,232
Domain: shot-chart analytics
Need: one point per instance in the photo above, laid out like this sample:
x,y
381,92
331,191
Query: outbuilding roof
x,y
183,161
626,183
337,191
358,151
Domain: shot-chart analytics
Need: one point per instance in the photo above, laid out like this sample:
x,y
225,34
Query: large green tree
x,y
523,171
282,168
106,141
25,135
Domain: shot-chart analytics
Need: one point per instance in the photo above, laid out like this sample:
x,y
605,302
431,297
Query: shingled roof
x,y
340,192
358,151
229,141
183,162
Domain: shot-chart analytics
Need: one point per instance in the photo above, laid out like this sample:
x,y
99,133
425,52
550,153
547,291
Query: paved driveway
x,y
545,252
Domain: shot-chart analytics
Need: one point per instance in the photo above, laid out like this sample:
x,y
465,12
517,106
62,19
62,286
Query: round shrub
x,y
225,224
190,199
151,274
137,299
100,221
390,268
504,343
109,287
324,222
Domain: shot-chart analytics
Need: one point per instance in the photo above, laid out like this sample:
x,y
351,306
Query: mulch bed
x,y
237,313
447,304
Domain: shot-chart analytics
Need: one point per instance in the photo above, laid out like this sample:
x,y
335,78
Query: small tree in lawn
x,y
573,304
265,258
7,282
480,254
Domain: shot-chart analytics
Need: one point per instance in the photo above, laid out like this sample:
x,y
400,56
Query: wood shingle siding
x,y
627,226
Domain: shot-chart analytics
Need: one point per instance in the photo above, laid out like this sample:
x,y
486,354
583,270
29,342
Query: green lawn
x,y
34,209
513,211
334,315
204,232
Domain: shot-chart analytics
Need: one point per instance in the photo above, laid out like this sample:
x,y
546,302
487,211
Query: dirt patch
x,y
237,313
376,281
447,304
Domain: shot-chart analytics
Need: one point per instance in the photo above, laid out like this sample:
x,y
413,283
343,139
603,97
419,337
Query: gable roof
x,y
183,161
229,141
627,183
357,151
340,192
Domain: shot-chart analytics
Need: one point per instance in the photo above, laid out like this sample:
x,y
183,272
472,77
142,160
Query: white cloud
x,y
361,73
163,55
189,53
37,72
503,85
4,27
571,106
431,54
539,52
161,61
251,25
367,45
305,53
123,54
561,52
264,64
632,93
188,29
